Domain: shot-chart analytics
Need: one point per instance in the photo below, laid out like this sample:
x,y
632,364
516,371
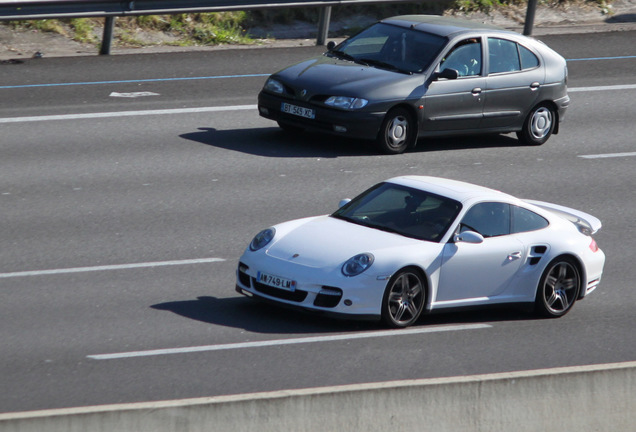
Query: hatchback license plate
x,y
298,111
276,281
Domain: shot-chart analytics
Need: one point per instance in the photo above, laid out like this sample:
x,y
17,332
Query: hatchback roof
x,y
440,25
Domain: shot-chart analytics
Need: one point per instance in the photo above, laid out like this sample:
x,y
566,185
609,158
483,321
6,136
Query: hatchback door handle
x,y
476,91
535,85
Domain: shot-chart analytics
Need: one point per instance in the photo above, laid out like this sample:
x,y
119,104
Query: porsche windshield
x,y
402,210
391,47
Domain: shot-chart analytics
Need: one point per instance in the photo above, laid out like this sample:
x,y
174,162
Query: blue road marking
x,y
133,81
602,58
223,77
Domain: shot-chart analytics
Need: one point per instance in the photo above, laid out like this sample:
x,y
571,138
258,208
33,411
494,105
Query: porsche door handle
x,y
514,256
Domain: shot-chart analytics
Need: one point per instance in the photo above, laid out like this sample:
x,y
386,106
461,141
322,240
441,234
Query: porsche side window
x,y
490,219
524,220
528,59
465,58
503,56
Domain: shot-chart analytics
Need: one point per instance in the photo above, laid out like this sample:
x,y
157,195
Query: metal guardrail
x,y
109,9
41,9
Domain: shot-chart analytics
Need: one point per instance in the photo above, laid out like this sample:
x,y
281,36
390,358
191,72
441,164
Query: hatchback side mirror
x,y
450,74
331,45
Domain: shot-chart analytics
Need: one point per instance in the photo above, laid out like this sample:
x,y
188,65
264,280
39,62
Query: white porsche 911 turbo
x,y
413,244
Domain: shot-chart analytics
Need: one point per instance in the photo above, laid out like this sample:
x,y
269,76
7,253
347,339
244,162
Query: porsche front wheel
x,y
404,298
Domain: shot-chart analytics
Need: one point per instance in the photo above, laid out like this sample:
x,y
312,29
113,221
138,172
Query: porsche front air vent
x,y
328,297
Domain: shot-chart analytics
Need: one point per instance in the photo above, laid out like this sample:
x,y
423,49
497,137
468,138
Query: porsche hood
x,y
328,242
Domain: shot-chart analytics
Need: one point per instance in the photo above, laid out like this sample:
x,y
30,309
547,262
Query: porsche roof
x,y
454,189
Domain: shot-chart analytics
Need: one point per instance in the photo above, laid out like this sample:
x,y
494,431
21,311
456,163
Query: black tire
x,y
398,132
558,288
404,298
538,126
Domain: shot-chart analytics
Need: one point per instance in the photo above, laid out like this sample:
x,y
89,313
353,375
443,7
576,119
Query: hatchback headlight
x,y
345,102
261,239
357,264
273,86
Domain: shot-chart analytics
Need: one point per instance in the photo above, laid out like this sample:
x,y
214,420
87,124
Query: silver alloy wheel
x,y
541,123
404,300
560,287
397,132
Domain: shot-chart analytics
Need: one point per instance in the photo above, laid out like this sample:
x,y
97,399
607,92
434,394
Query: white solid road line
x,y
126,113
279,342
608,155
220,108
602,88
110,267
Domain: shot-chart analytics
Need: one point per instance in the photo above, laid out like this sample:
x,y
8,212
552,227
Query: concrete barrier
x,y
577,399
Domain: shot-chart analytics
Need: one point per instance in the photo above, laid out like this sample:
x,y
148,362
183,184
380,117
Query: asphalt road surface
x,y
130,185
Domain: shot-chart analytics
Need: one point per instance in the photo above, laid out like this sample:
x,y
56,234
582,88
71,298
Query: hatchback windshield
x,y
402,210
391,47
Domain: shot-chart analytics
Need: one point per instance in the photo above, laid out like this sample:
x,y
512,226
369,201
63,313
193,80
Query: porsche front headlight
x,y
357,264
274,86
345,102
262,239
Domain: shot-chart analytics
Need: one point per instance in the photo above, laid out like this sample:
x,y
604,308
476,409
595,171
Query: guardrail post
x,y
323,25
527,27
107,38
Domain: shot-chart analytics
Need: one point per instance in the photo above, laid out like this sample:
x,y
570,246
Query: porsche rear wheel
x,y
398,132
558,288
404,298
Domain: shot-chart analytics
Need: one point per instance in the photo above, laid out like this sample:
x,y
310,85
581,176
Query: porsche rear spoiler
x,y
587,223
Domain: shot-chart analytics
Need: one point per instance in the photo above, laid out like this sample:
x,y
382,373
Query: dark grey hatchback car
x,y
419,76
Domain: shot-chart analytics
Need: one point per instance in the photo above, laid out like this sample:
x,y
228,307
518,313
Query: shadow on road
x,y
622,18
273,142
258,317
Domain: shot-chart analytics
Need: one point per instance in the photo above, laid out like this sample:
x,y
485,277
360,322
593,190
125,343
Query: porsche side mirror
x,y
469,237
447,73
344,202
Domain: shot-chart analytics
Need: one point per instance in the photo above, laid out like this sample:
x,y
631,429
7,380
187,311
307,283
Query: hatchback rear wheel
x,y
538,126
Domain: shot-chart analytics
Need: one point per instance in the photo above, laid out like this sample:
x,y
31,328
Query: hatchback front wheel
x,y
398,132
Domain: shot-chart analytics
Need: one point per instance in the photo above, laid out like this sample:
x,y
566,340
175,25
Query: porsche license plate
x,y
276,281
298,111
